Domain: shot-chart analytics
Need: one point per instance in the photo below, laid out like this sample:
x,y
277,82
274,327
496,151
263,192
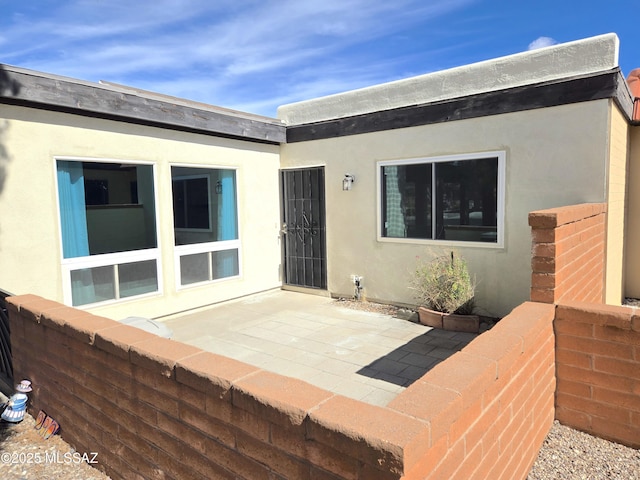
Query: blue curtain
x,y
227,213
226,265
73,224
73,214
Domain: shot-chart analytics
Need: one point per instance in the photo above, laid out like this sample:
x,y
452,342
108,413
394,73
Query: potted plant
x,y
445,293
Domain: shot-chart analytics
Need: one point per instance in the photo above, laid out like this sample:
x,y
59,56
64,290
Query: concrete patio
x,y
363,355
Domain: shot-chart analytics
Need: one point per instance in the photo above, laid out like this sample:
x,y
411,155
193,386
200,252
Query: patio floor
x,y
367,356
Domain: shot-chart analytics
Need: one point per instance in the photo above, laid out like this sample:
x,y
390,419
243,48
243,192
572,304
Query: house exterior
x,y
126,202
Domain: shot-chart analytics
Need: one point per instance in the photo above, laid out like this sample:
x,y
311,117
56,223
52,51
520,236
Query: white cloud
x,y
542,42
228,52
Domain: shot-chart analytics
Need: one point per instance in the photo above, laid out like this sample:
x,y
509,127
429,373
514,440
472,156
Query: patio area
x,y
362,355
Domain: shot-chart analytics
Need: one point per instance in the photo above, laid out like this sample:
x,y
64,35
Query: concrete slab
x,y
362,355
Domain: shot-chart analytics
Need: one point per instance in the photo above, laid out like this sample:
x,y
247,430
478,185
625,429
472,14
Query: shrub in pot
x,y
445,293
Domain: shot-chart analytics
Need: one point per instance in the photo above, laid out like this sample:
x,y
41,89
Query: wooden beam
x,y
20,87
517,99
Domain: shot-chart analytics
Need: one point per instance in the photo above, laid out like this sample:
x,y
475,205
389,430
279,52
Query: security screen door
x,y
305,260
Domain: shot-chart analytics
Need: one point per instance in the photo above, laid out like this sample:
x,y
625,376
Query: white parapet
x,y
581,57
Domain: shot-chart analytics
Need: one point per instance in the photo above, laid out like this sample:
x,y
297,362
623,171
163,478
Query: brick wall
x,y
568,254
598,356
489,406
156,408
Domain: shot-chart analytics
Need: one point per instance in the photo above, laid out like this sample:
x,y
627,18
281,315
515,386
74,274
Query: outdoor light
x,y
347,181
219,187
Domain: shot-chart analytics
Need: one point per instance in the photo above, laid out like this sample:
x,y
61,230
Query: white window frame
x,y
500,205
107,259
206,247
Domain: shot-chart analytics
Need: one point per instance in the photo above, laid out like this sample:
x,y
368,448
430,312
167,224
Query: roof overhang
x,y
113,102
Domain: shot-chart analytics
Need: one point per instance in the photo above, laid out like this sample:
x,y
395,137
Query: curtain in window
x,y
395,224
73,225
73,214
227,220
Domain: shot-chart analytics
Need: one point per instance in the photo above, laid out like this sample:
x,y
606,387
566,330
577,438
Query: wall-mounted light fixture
x,y
347,181
219,187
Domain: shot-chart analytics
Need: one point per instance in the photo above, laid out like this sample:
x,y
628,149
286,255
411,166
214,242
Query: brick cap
x,y
160,354
555,217
206,369
291,397
391,440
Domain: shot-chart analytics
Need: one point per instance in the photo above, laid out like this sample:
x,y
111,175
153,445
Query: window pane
x,y
194,268
406,201
466,200
91,285
225,263
105,207
137,278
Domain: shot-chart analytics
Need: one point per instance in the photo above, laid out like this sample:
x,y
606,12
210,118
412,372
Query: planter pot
x,y
449,321
461,323
430,318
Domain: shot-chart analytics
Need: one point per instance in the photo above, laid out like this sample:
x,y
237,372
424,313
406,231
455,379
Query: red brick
x,y
267,454
577,389
450,462
293,441
543,295
597,348
276,398
466,374
593,409
241,465
617,335
618,367
375,435
438,406
589,377
571,327
604,315
572,358
617,432
183,432
543,280
573,418
151,397
627,401
211,427
427,464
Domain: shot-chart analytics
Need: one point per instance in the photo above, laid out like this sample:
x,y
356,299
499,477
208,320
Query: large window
x,y
205,220
108,230
456,198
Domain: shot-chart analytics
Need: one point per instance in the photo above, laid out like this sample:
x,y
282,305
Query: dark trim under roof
x,y
48,92
610,84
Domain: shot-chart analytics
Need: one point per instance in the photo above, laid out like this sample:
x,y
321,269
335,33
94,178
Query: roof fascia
x,y
48,92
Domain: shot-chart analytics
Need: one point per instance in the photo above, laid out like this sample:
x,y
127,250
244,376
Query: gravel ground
x,y
25,455
568,454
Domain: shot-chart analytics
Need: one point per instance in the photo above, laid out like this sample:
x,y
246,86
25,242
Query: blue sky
x,y
253,55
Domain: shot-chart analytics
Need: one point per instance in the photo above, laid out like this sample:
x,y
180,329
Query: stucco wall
x,y
632,239
616,205
554,157
30,251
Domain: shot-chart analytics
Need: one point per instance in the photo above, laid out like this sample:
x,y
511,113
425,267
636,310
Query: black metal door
x,y
305,260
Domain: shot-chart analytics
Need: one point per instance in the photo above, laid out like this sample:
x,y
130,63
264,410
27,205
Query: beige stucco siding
x,y
616,204
554,156
632,247
30,245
